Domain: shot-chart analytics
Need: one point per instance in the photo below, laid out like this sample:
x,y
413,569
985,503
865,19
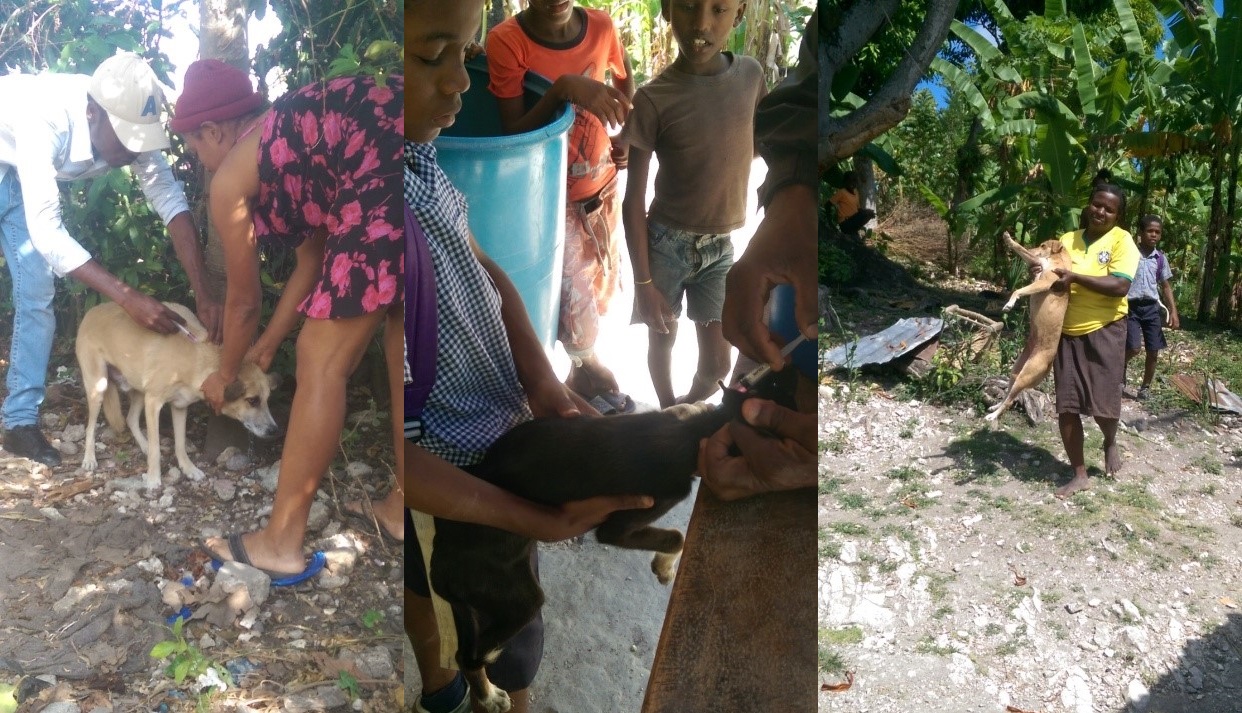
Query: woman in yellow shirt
x,y
1090,363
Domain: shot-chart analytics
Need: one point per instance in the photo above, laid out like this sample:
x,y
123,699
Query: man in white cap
x,y
60,127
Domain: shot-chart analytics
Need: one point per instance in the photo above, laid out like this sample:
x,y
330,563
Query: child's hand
x,y
606,102
620,154
653,309
581,516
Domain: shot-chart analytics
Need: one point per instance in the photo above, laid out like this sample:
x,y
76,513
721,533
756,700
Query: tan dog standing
x,y
115,354
1047,315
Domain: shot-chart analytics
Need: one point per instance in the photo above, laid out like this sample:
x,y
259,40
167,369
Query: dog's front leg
x,y
183,459
151,480
1038,286
94,400
490,698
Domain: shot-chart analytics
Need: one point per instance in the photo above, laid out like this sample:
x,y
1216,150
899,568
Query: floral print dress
x,y
330,159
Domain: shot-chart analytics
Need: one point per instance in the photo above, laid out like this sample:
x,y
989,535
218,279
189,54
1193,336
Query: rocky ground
x,y
92,566
951,580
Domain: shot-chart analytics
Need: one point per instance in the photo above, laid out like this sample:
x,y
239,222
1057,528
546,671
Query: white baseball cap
x,y
126,87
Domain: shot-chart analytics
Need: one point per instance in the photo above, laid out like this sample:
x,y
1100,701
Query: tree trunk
x,y
865,170
1224,298
223,37
967,162
1207,265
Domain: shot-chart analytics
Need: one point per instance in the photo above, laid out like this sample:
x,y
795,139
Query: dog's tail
x,y
112,409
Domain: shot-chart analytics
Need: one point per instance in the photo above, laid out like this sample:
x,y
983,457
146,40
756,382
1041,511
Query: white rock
x,y
226,454
1138,696
1076,695
1131,611
358,469
1176,631
375,663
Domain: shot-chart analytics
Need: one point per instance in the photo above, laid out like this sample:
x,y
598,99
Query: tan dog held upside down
x,y
115,354
1047,315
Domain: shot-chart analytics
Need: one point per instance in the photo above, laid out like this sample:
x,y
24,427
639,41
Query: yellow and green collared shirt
x,y
1113,253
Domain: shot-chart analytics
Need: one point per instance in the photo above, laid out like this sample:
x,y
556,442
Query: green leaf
x,y
1046,105
1113,91
882,159
988,197
936,202
1084,71
964,84
181,669
163,649
1228,73
1129,27
1058,155
982,47
1016,127
1054,9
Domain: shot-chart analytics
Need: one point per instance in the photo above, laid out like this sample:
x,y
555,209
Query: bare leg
x,y
713,362
1112,455
420,626
328,352
1130,354
660,363
1071,435
592,378
389,511
1149,367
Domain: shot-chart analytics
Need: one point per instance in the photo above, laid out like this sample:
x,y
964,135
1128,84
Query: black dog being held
x,y
551,461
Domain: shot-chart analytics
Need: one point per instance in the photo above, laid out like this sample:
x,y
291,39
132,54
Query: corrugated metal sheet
x,y
1219,397
902,338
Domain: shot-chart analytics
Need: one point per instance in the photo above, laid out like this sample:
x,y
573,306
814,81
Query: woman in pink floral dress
x,y
319,173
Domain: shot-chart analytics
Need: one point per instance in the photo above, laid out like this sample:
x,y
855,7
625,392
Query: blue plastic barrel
x,y
806,355
515,185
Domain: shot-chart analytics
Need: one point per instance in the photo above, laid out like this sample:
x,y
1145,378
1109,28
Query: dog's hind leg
x,y
183,459
136,401
665,543
1034,367
151,480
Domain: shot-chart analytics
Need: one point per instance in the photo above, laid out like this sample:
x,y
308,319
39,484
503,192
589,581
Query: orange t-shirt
x,y
511,51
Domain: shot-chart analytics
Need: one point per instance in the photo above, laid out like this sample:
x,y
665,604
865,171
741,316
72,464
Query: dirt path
x,y
951,580
88,564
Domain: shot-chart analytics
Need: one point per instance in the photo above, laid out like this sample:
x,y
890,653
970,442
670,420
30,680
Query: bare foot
x,y
1112,458
1080,482
261,554
591,379
700,389
391,520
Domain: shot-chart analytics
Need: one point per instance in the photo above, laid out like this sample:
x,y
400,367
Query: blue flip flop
x,y
237,549
610,404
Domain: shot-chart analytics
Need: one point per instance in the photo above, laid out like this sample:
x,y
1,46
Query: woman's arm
x,y
305,273
233,187
436,487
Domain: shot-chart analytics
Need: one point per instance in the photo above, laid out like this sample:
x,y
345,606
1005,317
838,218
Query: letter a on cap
x,y
149,109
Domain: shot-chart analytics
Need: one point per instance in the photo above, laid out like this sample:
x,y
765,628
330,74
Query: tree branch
x,y
840,137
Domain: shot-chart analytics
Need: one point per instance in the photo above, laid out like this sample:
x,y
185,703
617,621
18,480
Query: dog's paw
x,y
89,463
194,473
1008,306
664,566
150,481
497,702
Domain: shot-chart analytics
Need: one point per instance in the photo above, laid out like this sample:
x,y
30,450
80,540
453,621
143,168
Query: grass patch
x,y
1208,464
853,501
835,443
907,429
842,637
928,645
830,485
852,529
905,474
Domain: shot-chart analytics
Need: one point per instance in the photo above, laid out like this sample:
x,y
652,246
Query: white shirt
x,y
45,138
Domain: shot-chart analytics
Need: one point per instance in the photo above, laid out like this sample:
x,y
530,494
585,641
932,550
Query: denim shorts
x,y
689,264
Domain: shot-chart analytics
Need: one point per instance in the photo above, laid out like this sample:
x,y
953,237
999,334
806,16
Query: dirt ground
x,y
952,580
92,565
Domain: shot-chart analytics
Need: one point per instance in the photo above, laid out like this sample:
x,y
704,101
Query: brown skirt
x,y
1090,371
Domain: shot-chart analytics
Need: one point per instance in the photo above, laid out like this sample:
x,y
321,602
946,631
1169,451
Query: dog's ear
x,y
1056,247
234,391
273,381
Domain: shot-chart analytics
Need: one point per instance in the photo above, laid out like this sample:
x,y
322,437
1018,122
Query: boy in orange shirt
x,y
574,47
